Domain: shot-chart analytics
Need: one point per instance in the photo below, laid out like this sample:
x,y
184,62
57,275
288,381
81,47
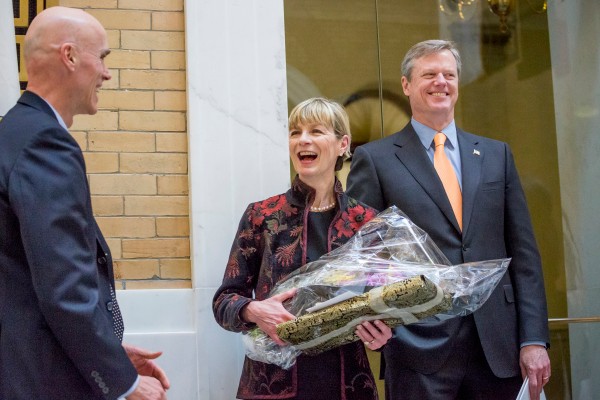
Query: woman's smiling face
x,y
314,150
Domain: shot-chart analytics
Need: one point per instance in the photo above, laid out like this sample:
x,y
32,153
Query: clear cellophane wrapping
x,y
390,270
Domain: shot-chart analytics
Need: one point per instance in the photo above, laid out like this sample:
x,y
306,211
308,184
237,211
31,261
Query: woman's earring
x,y
339,163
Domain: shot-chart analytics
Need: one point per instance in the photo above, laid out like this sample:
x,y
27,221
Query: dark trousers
x,y
466,375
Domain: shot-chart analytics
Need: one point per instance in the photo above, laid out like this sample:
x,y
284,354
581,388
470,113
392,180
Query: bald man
x,y
60,325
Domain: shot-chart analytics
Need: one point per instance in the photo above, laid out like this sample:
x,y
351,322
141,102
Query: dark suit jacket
x,y
56,331
496,224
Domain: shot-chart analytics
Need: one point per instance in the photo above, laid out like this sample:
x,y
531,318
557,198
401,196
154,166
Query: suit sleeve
x,y
51,198
525,267
363,183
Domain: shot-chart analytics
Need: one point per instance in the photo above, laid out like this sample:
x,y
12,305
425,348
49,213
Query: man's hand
x,y
535,364
142,361
268,313
148,389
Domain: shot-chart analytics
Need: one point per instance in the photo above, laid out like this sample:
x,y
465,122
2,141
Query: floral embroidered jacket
x,y
271,243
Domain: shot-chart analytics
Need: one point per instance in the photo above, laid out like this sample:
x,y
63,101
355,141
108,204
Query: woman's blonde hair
x,y
319,110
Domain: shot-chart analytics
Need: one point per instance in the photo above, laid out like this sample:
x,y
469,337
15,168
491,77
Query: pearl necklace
x,y
324,208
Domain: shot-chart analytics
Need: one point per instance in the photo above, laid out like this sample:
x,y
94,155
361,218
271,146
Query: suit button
x,y
101,260
109,306
465,248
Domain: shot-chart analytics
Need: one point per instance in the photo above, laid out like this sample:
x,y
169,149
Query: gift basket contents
x,y
390,271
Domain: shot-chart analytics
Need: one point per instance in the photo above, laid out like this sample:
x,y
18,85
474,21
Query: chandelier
x,y
502,8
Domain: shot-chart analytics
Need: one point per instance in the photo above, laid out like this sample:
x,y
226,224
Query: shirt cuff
x,y
534,342
131,389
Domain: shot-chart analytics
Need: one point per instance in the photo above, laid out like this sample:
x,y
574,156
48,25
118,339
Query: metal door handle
x,y
561,321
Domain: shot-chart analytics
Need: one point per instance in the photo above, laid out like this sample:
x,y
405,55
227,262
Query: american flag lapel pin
x,y
476,152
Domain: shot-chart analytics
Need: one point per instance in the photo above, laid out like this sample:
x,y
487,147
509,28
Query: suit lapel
x,y
471,158
411,153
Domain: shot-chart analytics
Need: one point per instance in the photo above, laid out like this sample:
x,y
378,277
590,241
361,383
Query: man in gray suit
x,y
485,355
60,325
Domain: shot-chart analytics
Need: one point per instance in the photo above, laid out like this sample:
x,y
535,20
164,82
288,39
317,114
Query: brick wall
x,y
136,145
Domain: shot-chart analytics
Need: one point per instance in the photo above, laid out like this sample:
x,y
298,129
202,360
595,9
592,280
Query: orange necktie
x,y
448,176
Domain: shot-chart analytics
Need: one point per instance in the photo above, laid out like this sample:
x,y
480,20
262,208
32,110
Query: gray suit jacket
x,y
56,328
496,224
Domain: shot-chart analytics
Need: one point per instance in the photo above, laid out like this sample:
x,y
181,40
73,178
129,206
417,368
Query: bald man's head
x,y
55,26
64,52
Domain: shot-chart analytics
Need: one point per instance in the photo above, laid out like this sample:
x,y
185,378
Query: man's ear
x,y
68,55
405,88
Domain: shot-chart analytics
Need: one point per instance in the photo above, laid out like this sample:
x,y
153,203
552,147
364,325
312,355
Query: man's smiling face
x,y
433,87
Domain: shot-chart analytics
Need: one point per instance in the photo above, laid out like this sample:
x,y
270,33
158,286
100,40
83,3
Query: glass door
x,y
575,56
531,77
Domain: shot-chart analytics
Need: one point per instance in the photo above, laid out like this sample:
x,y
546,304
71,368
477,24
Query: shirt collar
x,y
58,117
426,133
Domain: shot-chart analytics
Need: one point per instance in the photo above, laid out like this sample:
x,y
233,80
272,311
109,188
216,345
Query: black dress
x,y
310,368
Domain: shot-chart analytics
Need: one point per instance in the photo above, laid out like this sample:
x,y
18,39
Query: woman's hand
x,y
268,313
374,334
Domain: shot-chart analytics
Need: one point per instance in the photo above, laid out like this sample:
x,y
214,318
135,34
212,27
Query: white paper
x,y
524,392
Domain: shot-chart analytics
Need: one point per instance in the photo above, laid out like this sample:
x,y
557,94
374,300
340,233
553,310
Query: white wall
x,y
9,73
237,124
164,320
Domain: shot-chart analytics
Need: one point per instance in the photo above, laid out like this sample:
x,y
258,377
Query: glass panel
x,y
574,32
559,387
506,93
546,108
331,51
402,23
579,343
